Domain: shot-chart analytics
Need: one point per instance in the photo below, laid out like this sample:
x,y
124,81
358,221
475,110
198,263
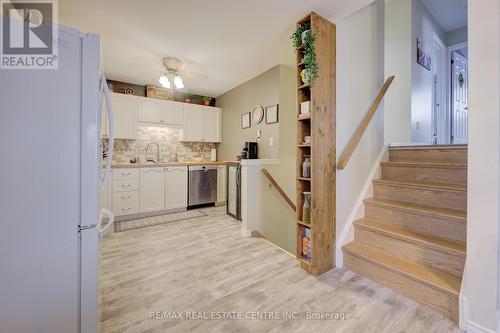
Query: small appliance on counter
x,y
250,150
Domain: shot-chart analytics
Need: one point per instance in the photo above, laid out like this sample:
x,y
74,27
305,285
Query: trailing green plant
x,y
297,35
206,99
311,67
306,43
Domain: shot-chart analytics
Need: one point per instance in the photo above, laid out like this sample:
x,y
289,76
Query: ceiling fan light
x,y
164,81
178,82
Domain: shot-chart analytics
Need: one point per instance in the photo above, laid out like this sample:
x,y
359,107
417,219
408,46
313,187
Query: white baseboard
x,y
347,234
473,327
463,305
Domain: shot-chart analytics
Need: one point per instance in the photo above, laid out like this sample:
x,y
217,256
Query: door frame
x,y
449,51
439,123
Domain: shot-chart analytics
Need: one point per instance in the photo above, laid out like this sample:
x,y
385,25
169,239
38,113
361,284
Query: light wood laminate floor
x,y
204,265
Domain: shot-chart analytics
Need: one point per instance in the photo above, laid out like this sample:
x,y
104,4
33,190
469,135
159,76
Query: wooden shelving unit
x,y
320,125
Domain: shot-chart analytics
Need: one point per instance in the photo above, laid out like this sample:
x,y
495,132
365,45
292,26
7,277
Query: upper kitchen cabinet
x,y
156,111
201,123
124,116
173,113
211,124
193,123
149,110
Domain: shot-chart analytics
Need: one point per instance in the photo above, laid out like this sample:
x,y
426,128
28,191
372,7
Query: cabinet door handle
x,y
126,197
126,186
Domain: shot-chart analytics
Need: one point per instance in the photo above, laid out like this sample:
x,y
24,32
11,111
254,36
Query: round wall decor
x,y
257,114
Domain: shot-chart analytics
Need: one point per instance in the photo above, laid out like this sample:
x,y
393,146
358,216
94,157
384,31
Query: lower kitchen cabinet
x,y
176,187
125,192
152,190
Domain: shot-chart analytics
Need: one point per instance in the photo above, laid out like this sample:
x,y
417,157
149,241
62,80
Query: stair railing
x,y
358,134
274,183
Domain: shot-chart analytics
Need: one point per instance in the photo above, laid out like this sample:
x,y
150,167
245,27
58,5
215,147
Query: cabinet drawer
x,y
126,208
130,197
126,185
121,174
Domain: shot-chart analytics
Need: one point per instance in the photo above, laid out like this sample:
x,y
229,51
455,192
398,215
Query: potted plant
x,y
188,97
303,40
206,100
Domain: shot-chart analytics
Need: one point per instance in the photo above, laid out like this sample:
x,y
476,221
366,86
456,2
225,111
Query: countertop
x,y
164,165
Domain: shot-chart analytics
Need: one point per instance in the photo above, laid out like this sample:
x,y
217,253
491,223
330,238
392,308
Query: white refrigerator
x,y
50,179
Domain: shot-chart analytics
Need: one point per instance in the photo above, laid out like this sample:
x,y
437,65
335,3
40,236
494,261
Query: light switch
x,y
271,141
259,134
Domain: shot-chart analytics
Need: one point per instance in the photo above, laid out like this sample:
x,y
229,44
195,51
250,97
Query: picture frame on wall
x,y
245,120
423,58
272,116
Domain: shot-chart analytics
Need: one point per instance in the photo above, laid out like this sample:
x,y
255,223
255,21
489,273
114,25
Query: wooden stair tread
x,y
437,279
419,209
448,246
425,165
428,147
425,185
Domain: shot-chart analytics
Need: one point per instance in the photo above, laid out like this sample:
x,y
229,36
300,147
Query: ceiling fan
x,y
172,76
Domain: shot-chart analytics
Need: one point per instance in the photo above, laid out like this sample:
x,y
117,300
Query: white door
x,y
173,113
124,115
439,116
193,123
149,110
211,124
176,187
152,193
459,84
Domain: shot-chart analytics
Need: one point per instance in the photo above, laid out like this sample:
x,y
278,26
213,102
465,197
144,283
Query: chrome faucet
x,y
157,151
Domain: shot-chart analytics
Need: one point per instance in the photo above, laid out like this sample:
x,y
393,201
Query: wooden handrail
x,y
278,188
356,137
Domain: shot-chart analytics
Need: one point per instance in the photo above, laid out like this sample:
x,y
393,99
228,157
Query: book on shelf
x,y
305,115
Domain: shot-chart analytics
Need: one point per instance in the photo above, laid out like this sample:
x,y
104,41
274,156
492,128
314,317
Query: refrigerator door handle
x,y
111,218
111,136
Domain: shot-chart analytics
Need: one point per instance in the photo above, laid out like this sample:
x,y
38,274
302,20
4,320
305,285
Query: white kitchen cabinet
x,y
193,123
201,123
211,124
176,185
149,110
173,113
152,190
124,115
221,184
160,112
125,192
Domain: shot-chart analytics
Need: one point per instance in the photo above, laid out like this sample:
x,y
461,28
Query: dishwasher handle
x,y
202,168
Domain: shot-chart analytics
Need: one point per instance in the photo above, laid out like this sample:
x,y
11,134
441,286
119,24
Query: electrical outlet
x,y
271,141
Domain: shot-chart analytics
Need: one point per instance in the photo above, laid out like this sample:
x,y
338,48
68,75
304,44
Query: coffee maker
x,y
250,150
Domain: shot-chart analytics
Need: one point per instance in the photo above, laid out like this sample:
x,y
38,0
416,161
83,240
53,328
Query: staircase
x,y
413,236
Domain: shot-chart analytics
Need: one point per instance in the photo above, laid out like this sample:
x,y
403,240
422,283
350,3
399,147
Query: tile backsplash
x,y
167,138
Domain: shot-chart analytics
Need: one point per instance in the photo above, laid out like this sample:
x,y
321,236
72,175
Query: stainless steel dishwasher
x,y
202,185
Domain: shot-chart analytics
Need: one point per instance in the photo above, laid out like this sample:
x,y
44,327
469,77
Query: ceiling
x,y
451,14
223,42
